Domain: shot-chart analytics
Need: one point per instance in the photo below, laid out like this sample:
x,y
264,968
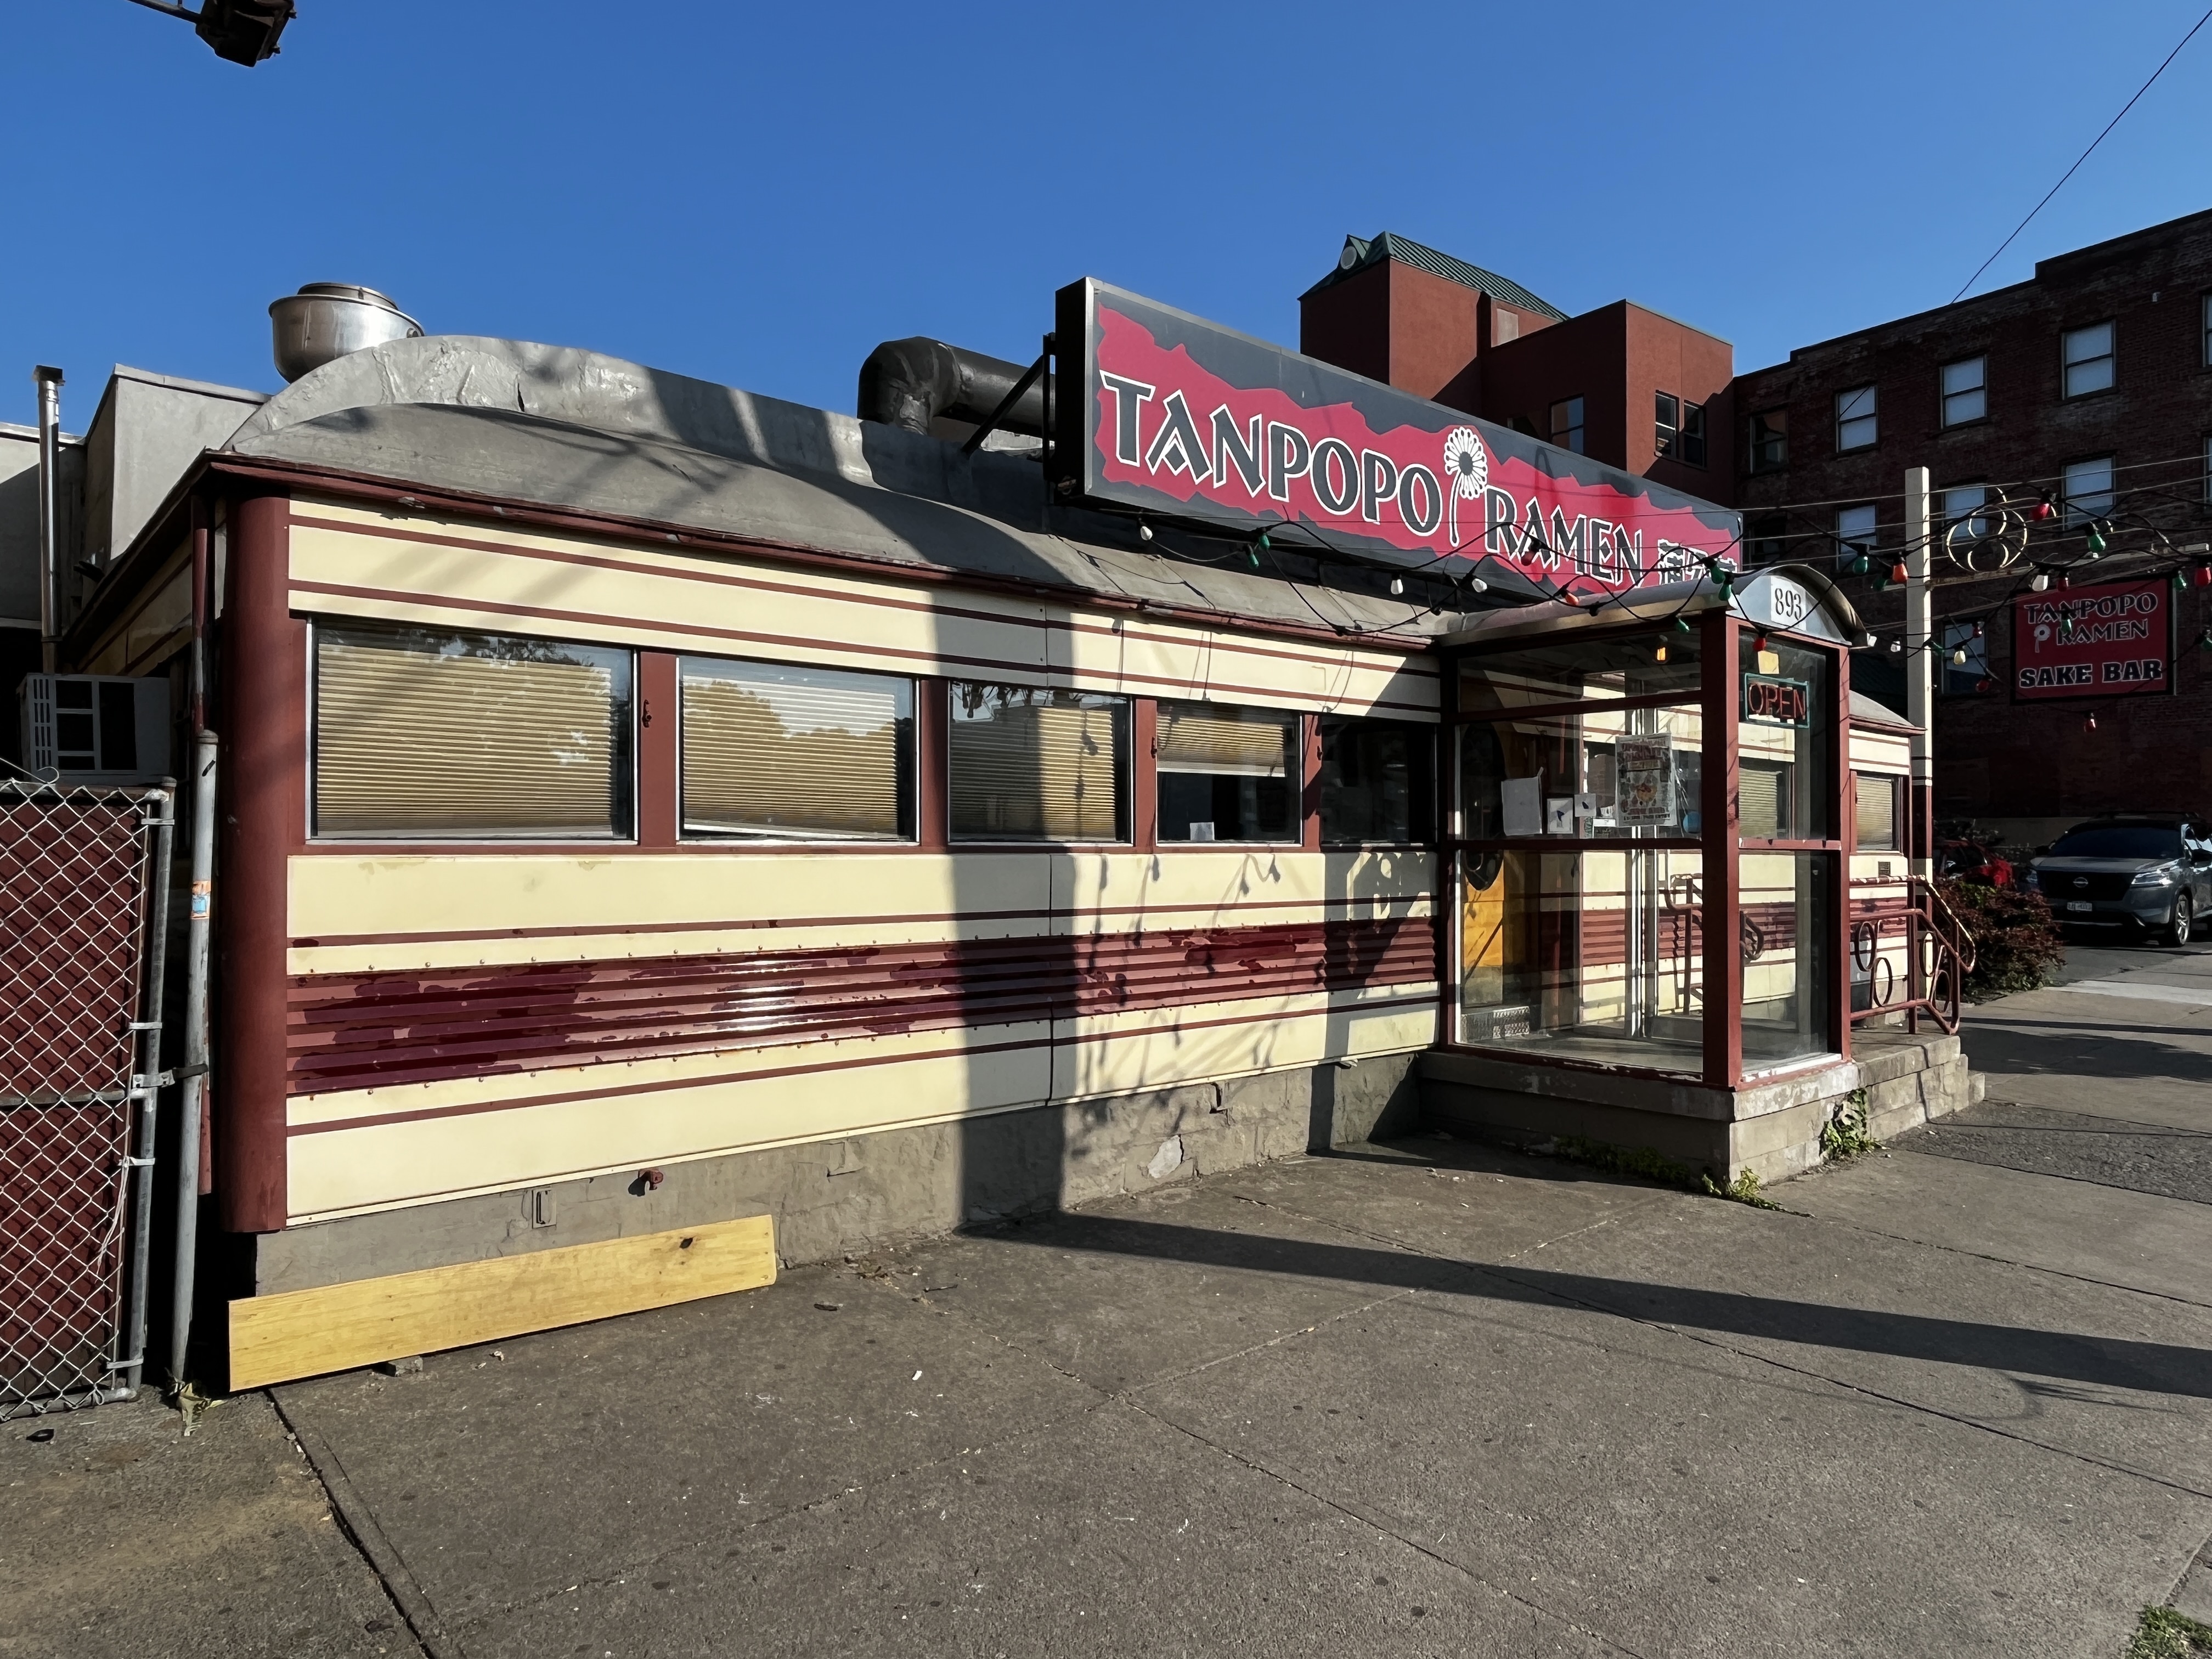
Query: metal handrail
x,y
1939,955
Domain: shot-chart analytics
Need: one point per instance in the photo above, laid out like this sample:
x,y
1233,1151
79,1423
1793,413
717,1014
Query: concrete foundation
x,y
840,1197
1771,1129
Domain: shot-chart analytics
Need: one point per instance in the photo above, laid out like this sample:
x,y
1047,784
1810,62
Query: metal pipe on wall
x,y
145,1085
192,1098
49,380
1920,665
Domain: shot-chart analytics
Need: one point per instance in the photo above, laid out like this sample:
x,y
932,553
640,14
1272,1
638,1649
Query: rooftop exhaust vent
x,y
323,321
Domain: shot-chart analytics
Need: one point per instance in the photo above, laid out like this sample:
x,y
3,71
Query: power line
x,y
2078,159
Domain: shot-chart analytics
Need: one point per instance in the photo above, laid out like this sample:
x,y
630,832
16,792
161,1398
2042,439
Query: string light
x,y
1397,585
1899,575
2041,581
2090,724
1144,530
2095,538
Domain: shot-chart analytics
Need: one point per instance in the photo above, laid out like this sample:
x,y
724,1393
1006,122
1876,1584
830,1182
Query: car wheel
x,y
2177,929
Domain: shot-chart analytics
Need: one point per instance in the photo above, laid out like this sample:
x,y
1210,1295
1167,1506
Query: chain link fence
x,y
83,881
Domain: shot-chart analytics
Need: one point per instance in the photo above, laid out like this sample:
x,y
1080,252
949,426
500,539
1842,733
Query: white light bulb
x,y
1144,533
1478,585
2039,582
1397,585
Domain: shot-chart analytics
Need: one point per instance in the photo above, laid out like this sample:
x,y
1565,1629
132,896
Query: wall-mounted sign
x,y
1771,700
2115,640
1163,412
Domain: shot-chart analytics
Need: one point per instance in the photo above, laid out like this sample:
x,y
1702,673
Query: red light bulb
x,y
1898,571
2041,510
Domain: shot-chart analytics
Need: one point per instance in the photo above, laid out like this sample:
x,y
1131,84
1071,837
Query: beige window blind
x,y
1036,765
1760,798
795,753
421,733
1224,742
1877,812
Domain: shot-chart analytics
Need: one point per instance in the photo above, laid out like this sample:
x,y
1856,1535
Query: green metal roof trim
x,y
1359,255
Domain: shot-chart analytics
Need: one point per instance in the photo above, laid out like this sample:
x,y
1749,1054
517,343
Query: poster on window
x,y
1646,773
2114,640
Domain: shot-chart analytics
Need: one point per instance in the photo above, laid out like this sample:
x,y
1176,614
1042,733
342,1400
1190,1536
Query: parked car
x,y
1969,860
2145,872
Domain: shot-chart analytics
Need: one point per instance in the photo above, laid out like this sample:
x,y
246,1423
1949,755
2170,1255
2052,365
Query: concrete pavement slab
x,y
2100,1147
2084,1230
121,1536
498,1478
2085,1369
1680,1499
1057,1287
1116,1535
2142,1062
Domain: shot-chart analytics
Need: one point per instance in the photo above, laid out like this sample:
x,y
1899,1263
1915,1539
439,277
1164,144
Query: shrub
x,y
2017,944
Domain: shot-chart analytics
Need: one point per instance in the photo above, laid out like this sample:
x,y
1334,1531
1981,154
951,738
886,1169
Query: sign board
x,y
1775,602
1770,700
2115,640
1159,411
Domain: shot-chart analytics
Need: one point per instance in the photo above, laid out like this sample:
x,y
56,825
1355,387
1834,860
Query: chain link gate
x,y
83,907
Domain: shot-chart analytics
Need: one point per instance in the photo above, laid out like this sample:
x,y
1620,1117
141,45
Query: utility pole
x,y
1920,667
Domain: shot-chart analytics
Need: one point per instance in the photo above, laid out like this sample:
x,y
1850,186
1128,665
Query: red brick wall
x,y
1994,759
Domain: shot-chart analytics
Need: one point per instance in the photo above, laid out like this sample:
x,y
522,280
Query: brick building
x,y
2091,381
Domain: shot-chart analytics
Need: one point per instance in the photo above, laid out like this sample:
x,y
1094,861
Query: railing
x,y
1939,954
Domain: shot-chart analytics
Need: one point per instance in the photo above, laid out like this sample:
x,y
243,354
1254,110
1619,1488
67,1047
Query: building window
x,y
1766,540
425,733
1878,817
1967,675
1567,425
2088,489
2088,358
1963,522
1691,448
1855,534
774,753
1854,418
1965,391
1227,774
1668,422
1767,444
1378,778
1034,765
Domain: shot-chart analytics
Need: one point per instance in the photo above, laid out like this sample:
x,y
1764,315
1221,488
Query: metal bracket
x,y
145,1025
137,1163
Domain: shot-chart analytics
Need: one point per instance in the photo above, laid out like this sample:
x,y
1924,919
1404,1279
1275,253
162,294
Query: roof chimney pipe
x,y
324,321
50,467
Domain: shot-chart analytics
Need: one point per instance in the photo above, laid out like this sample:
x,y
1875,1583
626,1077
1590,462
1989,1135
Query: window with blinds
x,y
1762,796
774,752
1035,765
420,732
1226,774
1878,815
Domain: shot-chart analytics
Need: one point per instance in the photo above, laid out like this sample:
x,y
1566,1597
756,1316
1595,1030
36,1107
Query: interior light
x,y
1659,652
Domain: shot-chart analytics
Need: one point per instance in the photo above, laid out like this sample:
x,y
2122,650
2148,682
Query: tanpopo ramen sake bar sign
x,y
1161,411
2114,640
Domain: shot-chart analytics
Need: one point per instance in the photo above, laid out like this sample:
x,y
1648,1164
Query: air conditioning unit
x,y
96,728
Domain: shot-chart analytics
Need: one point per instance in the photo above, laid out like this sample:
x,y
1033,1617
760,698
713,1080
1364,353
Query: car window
x,y
2119,841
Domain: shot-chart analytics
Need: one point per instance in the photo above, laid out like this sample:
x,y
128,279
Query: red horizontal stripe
x,y
353,1031
1427,999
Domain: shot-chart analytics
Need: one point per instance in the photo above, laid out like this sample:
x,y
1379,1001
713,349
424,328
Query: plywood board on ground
x,y
336,1328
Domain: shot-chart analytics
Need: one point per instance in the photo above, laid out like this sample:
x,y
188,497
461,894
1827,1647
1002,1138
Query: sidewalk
x,y
1422,1398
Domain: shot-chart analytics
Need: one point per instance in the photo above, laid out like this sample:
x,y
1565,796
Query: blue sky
x,y
757,194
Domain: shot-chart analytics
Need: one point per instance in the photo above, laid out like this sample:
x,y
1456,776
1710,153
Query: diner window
x,y
1666,420
1877,811
1766,442
1964,661
778,753
1785,774
1377,781
2088,489
427,733
1032,765
1857,534
1965,391
1226,774
2087,354
1567,425
1693,444
1856,423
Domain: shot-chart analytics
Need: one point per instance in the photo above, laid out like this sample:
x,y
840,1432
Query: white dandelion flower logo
x,y
1466,469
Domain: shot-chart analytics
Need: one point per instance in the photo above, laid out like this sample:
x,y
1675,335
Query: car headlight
x,y
2162,876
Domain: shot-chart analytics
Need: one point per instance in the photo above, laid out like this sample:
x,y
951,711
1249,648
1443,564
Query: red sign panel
x,y
2115,640
1164,412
